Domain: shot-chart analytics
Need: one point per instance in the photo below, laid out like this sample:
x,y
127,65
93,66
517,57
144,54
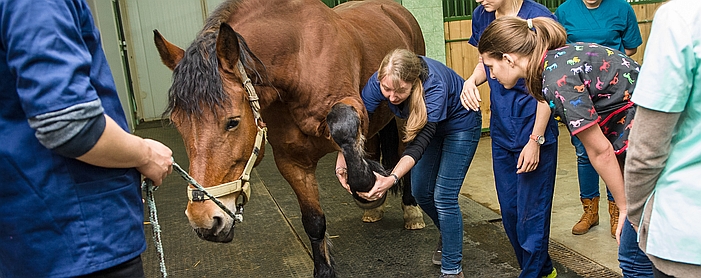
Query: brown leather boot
x,y
590,218
613,214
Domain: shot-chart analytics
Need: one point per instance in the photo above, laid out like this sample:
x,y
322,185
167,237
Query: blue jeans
x,y
587,176
435,183
632,260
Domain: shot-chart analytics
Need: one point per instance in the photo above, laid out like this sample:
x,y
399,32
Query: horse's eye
x,y
232,123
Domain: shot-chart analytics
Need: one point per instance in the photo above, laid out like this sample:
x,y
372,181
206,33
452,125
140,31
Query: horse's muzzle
x,y
216,235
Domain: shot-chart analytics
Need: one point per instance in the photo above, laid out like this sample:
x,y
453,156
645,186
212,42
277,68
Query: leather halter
x,y
242,184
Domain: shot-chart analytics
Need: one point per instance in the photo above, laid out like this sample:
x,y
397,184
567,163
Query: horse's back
x,y
317,56
383,20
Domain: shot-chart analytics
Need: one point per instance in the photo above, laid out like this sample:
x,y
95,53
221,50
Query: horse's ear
x,y
170,53
227,48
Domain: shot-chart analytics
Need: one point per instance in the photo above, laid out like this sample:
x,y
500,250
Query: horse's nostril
x,y
217,224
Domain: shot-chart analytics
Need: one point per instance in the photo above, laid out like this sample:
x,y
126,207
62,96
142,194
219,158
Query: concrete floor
x,y
597,244
367,249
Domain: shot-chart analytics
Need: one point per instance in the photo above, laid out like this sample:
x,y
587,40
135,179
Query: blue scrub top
x,y
60,217
513,110
612,24
442,95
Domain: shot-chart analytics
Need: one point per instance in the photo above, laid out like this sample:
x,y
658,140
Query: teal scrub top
x,y
612,24
670,81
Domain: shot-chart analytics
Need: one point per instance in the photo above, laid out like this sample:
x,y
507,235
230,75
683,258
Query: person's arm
x,y
118,149
413,153
605,162
371,94
648,150
530,154
85,133
382,183
470,95
52,64
342,171
630,37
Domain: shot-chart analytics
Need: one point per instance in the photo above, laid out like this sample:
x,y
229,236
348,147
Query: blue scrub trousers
x,y
587,176
435,183
526,204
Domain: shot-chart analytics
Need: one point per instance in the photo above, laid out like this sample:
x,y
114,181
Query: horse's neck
x,y
268,95
276,34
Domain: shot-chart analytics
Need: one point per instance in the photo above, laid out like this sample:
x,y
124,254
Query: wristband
x,y
396,179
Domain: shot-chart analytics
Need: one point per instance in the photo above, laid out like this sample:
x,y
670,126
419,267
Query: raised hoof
x,y
365,204
374,215
413,218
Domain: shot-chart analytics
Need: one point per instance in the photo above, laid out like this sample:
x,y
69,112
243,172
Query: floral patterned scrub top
x,y
586,84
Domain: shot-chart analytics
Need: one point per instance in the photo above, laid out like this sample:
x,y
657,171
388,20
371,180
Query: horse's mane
x,y
196,79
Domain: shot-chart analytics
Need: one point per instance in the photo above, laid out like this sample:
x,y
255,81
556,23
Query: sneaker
x,y
438,254
459,275
552,274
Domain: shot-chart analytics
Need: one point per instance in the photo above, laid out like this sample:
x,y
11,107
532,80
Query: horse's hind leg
x,y
413,216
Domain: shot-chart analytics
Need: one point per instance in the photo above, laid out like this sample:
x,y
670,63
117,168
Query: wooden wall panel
x,y
462,57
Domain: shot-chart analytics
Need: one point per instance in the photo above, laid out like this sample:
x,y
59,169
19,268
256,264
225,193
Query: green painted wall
x,y
429,13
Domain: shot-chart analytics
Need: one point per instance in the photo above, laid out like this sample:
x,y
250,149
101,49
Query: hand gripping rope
x,y
147,186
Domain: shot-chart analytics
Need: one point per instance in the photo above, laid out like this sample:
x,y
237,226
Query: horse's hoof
x,y
414,225
413,218
373,215
365,204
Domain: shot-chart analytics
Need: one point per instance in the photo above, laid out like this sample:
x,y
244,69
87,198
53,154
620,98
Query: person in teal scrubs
x,y
664,158
610,23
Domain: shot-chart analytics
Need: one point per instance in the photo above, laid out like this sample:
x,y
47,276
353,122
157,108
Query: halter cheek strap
x,y
240,185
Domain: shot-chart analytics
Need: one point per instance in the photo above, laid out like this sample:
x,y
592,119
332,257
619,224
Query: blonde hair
x,y
404,65
511,34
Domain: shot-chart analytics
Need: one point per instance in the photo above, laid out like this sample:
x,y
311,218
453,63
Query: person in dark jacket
x,y
71,198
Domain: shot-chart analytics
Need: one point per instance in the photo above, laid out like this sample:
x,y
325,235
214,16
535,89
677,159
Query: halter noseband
x,y
242,184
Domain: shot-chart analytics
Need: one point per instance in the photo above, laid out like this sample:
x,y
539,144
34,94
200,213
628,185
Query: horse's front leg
x,y
296,156
345,128
305,186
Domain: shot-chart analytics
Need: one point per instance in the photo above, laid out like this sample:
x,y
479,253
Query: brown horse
x,y
307,65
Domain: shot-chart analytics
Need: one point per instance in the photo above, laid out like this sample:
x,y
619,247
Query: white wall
x,y
178,21
103,13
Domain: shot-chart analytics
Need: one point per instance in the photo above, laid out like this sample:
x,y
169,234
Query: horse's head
x,y
212,110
